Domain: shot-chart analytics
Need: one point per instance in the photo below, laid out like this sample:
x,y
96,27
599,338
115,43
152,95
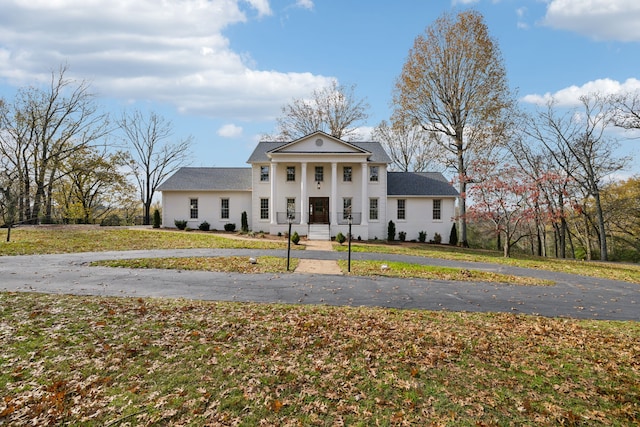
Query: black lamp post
x,y
289,220
350,221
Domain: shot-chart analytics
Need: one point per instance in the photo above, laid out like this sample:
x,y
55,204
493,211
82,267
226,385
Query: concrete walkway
x,y
317,266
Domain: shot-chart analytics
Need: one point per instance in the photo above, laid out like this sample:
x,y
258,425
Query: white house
x,y
317,182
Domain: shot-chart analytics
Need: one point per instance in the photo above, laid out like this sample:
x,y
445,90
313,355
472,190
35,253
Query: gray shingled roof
x,y
378,155
419,184
196,179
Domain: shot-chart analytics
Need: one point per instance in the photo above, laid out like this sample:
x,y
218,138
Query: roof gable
x,y
373,151
318,143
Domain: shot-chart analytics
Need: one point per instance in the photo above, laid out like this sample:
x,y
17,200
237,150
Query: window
x,y
224,208
264,208
291,173
402,203
373,173
346,207
264,173
193,208
373,209
291,208
319,173
436,209
346,174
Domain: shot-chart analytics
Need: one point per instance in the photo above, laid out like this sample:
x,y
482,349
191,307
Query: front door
x,y
318,210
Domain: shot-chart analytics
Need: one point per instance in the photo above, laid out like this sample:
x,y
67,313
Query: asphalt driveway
x,y
572,296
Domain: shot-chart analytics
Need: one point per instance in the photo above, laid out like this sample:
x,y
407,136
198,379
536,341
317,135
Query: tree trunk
x,y
507,247
601,228
462,188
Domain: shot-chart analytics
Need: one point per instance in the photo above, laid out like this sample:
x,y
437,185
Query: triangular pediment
x,y
318,143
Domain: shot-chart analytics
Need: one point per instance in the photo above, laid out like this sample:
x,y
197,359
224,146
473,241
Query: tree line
x,y
539,177
64,160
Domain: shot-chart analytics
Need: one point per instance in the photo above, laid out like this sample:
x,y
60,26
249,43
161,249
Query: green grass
x,y
607,270
107,361
402,269
47,240
359,268
265,264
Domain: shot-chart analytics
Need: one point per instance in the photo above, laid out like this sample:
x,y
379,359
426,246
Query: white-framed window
x,y
347,173
224,208
291,207
373,209
291,173
319,174
264,173
193,208
437,209
402,211
374,172
346,207
264,208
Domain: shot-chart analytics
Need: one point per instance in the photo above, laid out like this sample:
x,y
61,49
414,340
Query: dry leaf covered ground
x,y
108,361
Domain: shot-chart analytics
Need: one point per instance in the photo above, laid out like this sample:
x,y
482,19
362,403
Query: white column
x,y
365,194
333,202
272,199
304,208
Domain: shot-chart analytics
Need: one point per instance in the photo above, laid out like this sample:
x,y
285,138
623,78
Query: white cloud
x,y
570,96
598,19
173,52
305,4
230,131
262,6
456,2
522,13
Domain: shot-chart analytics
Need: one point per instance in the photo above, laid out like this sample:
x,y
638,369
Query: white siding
x,y
419,217
175,206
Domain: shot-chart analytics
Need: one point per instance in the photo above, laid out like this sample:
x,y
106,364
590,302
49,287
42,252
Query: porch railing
x,y
283,217
343,218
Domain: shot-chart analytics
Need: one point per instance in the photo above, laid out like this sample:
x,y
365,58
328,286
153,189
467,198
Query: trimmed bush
x,y
340,238
156,218
422,236
229,227
295,238
402,236
391,231
453,237
244,223
181,224
437,238
204,226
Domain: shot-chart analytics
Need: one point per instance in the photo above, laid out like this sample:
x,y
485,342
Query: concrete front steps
x,y
319,232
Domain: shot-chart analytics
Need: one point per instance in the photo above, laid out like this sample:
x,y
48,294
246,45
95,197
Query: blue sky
x,y
220,70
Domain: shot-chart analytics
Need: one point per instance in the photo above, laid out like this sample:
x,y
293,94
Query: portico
x,y
316,180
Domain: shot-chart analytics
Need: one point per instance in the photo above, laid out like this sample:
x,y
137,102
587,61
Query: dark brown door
x,y
318,210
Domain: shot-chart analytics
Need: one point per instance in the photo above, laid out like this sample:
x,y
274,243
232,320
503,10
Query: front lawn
x,y
95,361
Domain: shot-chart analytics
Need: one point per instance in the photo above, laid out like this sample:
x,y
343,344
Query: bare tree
x,y
411,148
454,84
578,143
333,109
627,110
153,156
8,199
41,129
